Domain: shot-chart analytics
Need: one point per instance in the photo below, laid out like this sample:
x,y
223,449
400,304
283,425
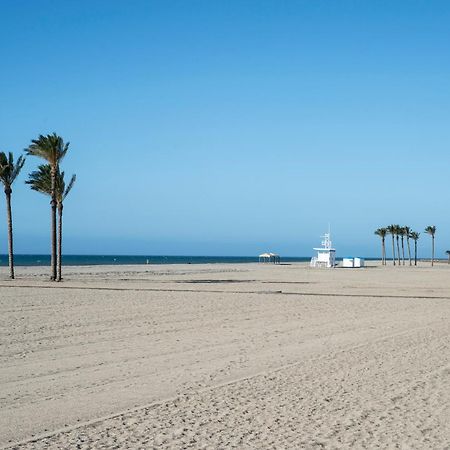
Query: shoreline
x,y
25,260
195,261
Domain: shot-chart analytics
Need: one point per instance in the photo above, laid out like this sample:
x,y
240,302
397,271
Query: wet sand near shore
x,y
226,356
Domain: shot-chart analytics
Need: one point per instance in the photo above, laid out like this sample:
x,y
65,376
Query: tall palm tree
x,y
382,233
397,237
431,230
63,193
53,149
40,180
401,233
391,230
415,237
408,237
9,171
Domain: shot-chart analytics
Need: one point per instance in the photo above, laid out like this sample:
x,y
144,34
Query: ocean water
x,y
89,260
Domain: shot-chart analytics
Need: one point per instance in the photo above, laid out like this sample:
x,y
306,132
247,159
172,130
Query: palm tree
x,y
40,180
431,230
382,233
415,237
62,194
9,171
53,149
391,230
397,236
408,236
448,254
401,233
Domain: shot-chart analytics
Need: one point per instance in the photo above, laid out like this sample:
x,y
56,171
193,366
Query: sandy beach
x,y
226,356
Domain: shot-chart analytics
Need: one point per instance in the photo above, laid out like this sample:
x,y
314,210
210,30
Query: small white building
x,y
347,262
326,255
353,262
358,262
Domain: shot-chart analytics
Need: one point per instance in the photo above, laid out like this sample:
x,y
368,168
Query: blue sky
x,y
230,127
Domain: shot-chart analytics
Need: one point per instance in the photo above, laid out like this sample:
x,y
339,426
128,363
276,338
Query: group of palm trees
x,y
399,234
47,179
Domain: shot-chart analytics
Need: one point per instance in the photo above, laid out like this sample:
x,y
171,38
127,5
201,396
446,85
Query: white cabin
x,y
326,255
353,262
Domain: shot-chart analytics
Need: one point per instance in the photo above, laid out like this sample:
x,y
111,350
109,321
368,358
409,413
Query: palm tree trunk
x,y
383,252
10,233
53,224
60,223
393,250
432,251
415,253
398,251
403,250
409,250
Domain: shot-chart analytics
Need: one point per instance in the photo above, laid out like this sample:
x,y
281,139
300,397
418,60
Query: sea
x,y
91,260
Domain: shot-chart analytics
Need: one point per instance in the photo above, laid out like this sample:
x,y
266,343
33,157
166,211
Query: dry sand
x,y
226,356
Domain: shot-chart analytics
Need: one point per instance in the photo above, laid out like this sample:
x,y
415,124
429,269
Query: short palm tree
x,y
9,171
40,181
431,230
51,148
401,233
391,230
408,237
414,235
398,229
382,232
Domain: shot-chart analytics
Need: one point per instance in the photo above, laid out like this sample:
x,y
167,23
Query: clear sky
x,y
230,127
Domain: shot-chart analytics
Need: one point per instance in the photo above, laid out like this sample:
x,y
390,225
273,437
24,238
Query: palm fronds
x,y
51,147
41,181
10,170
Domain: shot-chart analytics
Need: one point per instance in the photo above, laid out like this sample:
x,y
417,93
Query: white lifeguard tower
x,y
326,255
